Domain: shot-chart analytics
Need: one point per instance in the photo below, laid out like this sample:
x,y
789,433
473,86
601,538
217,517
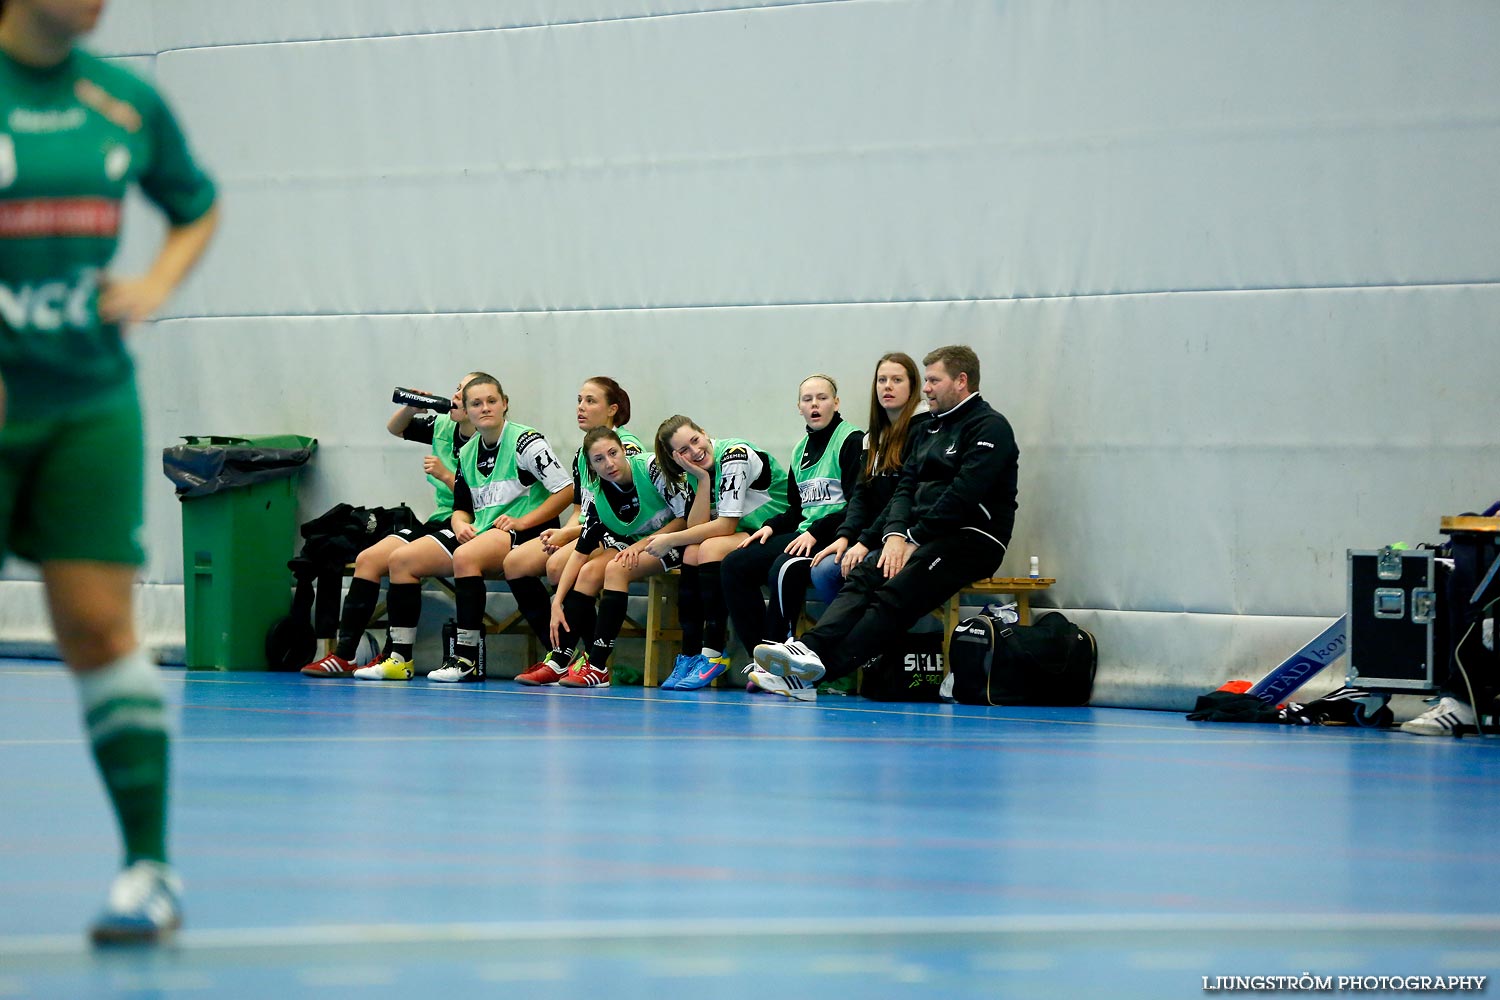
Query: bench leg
x,y
661,595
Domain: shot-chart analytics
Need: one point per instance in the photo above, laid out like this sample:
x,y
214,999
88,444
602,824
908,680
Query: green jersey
x,y
73,138
512,477
445,447
748,483
821,487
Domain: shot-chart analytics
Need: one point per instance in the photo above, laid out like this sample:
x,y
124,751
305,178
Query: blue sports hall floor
x,y
359,840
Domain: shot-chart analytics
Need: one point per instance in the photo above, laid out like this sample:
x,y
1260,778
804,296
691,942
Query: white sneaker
x,y
790,659
143,906
457,670
1445,718
392,668
787,687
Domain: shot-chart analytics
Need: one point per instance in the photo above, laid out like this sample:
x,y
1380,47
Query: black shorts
x,y
609,540
438,531
443,534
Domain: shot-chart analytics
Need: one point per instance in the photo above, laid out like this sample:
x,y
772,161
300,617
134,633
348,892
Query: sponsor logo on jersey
x,y
31,121
820,492
952,450
497,494
49,306
32,218
117,111
984,444
658,519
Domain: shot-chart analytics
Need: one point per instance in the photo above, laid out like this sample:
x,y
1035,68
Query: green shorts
x,y
71,488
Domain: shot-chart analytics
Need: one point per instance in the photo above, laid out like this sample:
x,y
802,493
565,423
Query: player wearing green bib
x,y
743,487
602,402
824,471
447,435
632,502
510,488
75,134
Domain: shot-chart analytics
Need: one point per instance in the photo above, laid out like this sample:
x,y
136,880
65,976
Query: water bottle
x,y
422,400
1036,568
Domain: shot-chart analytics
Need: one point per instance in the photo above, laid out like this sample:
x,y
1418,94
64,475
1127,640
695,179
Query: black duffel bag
x,y
910,670
1049,663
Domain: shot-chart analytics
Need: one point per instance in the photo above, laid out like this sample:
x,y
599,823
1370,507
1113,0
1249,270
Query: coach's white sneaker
x,y
787,687
790,659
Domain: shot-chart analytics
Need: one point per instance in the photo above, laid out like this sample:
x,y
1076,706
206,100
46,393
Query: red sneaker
x,y
332,665
545,672
583,674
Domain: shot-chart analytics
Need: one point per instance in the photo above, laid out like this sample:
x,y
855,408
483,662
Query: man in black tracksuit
x,y
947,525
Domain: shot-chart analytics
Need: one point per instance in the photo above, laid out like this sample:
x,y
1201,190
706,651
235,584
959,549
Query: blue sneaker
x,y
707,668
680,669
143,906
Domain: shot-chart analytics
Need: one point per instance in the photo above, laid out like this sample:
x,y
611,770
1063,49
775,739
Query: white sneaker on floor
x,y
457,670
790,659
1443,719
143,906
787,687
392,668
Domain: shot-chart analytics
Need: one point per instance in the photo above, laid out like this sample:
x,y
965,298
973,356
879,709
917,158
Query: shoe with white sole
x,y
144,907
1447,718
790,659
787,687
392,668
457,670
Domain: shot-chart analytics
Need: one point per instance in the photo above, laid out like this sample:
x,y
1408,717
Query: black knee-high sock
x,y
611,617
690,610
534,604
788,598
359,604
578,609
403,605
711,586
468,599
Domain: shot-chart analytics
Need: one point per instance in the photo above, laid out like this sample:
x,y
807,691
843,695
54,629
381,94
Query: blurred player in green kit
x,y
75,133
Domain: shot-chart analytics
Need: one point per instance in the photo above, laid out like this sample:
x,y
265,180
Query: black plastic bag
x,y
204,466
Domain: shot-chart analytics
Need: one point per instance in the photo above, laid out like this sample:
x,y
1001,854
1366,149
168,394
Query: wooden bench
x,y
664,631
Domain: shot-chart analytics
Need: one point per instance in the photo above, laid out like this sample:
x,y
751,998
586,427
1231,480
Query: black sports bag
x,y
1049,663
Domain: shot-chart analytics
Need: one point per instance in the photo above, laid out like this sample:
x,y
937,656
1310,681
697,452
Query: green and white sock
x,y
126,717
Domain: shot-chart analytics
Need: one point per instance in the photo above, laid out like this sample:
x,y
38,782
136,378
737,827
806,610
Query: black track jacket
x,y
961,476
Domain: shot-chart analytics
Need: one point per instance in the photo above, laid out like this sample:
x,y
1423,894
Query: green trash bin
x,y
239,528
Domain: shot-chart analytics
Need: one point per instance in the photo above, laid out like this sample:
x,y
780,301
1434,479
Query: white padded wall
x,y
1230,268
